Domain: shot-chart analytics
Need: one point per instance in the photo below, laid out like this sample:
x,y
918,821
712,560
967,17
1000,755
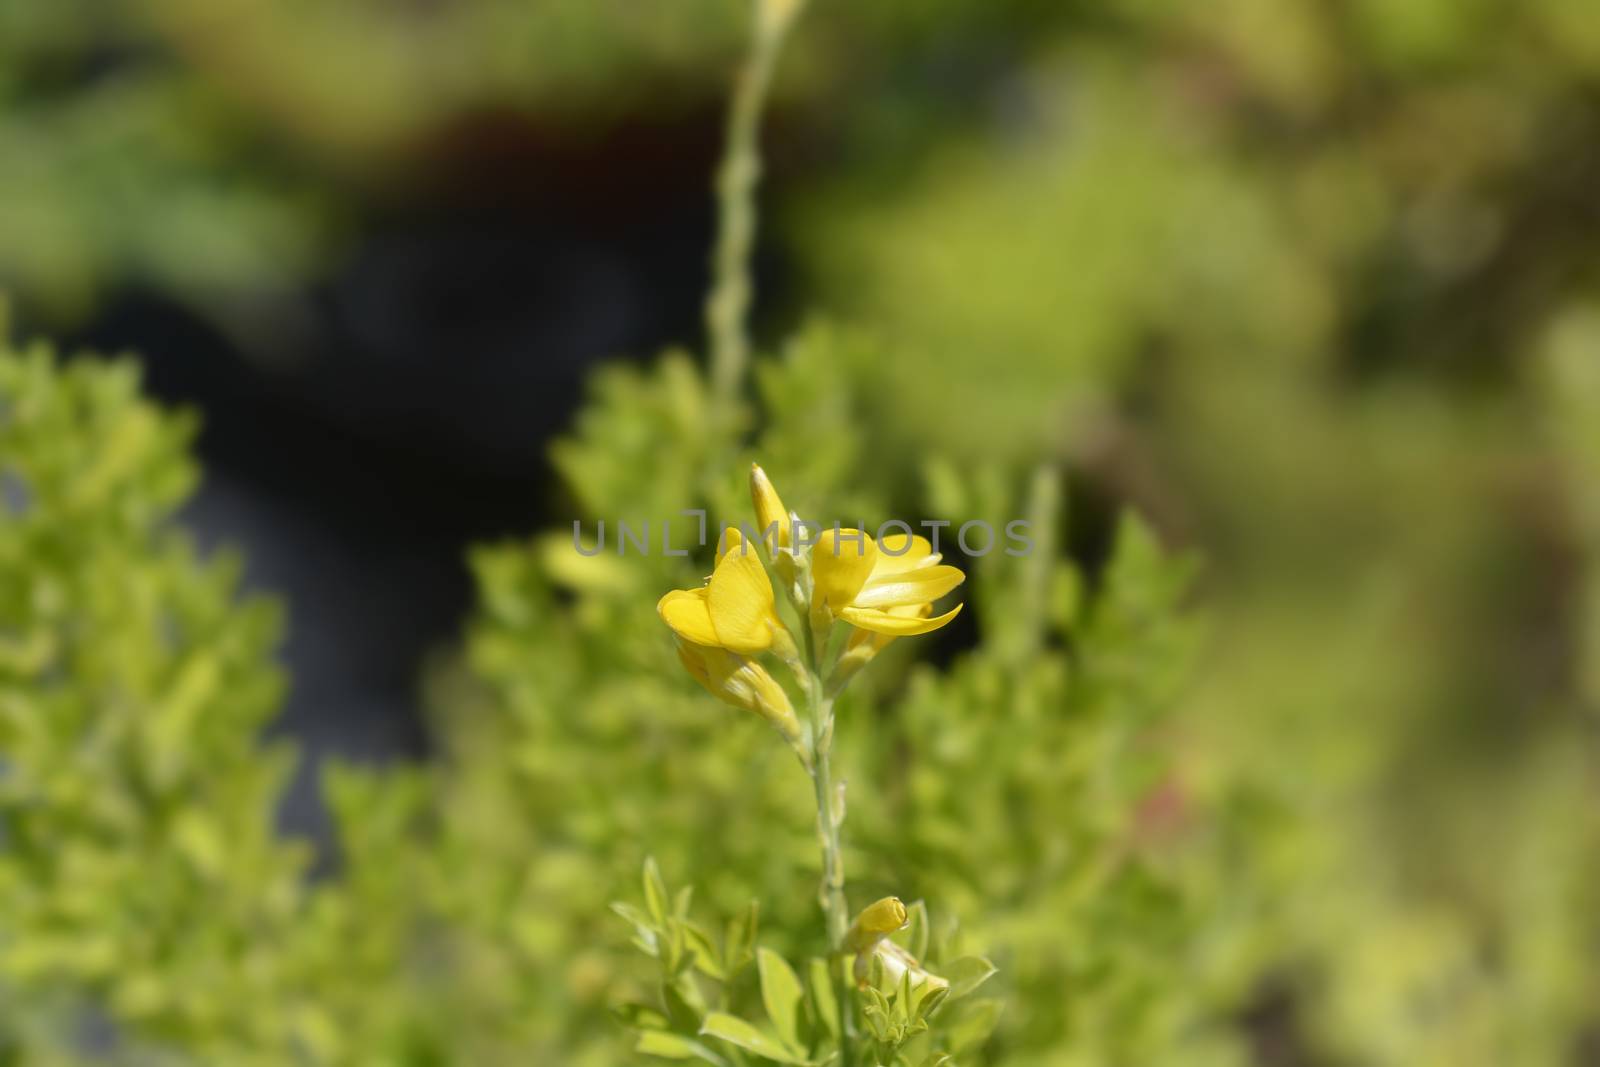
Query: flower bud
x,y
876,922
770,511
741,682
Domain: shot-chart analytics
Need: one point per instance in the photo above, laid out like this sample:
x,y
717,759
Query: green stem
x,y
728,303
830,892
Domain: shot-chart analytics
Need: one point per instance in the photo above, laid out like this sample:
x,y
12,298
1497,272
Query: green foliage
x,y
140,876
705,993
570,743
1047,735
1300,280
1270,271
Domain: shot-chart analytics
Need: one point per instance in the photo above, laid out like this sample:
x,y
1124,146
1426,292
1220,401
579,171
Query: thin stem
x,y
728,303
830,893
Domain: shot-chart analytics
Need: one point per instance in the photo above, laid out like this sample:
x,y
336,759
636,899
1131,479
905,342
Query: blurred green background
x,y
1310,286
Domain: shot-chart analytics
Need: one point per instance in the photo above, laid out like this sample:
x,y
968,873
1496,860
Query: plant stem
x,y
728,303
830,892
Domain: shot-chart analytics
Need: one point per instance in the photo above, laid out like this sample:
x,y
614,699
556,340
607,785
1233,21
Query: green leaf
x,y
639,1016
915,935
703,951
646,936
685,1006
736,1031
967,974
974,1026
676,959
928,997
822,996
655,891
739,945
780,992
875,1009
675,1047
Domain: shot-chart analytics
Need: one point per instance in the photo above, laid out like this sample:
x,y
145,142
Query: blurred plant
x,y
222,154
141,925
143,889
1320,280
1329,313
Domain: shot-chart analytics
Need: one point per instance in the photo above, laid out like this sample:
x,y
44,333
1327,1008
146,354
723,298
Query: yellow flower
x,y
887,590
735,610
742,682
868,939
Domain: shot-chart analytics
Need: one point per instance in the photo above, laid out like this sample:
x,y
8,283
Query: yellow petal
x,y
920,586
740,602
841,565
895,625
693,658
743,683
732,541
686,612
903,552
769,508
877,642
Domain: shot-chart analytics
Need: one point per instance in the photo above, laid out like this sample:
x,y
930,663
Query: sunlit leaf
x,y
675,1047
738,1032
781,993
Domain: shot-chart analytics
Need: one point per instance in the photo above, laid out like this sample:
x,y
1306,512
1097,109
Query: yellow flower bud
x,y
876,922
742,682
770,511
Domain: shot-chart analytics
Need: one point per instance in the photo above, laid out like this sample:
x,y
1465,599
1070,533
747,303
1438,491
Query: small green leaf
x,y
685,1006
645,935
915,935
736,1031
877,977
704,953
655,891
967,974
739,945
928,997
822,997
675,1047
676,959
875,1010
639,1016
781,993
